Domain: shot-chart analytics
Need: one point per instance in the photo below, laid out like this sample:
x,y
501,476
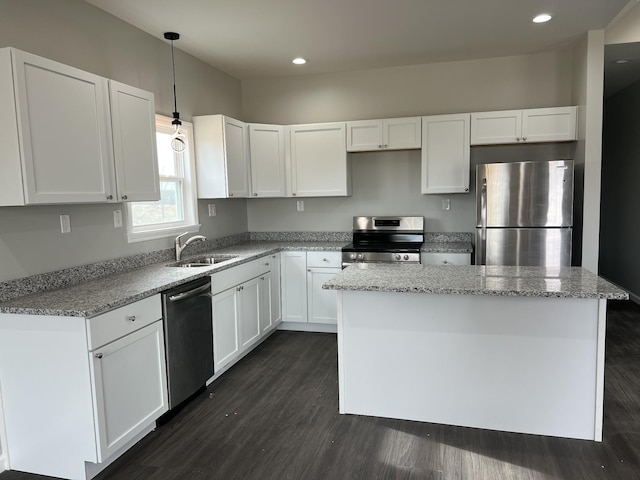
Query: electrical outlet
x,y
446,204
300,205
212,209
65,223
117,218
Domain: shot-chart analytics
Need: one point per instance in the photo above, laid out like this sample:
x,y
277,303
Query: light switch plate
x,y
446,204
212,209
65,223
300,205
117,218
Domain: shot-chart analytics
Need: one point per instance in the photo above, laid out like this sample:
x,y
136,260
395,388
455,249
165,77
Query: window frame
x,y
189,194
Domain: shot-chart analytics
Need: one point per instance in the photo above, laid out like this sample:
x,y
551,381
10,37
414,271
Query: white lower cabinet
x,y
437,258
305,305
242,310
78,392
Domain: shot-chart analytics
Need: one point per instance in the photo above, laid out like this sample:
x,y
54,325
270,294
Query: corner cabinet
x,y
556,124
104,384
318,160
58,139
446,154
305,304
267,159
385,134
222,159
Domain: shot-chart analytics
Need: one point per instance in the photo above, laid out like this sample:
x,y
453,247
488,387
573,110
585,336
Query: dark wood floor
x,y
275,416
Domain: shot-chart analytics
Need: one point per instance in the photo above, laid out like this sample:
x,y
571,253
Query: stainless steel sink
x,y
204,261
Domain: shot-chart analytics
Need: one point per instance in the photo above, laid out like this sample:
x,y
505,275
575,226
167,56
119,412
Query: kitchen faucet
x,y
180,248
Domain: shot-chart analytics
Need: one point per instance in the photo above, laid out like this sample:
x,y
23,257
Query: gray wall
x,y
620,220
389,183
78,34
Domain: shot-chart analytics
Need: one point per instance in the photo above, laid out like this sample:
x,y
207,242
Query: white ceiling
x,y
251,39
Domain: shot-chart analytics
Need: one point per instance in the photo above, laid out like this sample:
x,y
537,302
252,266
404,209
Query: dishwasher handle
x,y
191,293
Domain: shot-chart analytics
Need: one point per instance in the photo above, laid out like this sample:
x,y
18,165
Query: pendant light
x,y
177,140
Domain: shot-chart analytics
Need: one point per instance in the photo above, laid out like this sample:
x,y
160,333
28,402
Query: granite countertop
x,y
91,298
562,282
447,247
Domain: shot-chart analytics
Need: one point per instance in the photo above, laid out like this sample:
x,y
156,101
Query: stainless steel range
x,y
385,240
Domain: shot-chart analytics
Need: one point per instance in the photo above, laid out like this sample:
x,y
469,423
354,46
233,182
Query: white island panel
x,y
519,364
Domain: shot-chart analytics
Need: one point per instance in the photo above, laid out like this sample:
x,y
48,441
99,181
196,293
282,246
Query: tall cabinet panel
x,y
266,146
446,153
319,160
64,124
134,143
221,157
294,286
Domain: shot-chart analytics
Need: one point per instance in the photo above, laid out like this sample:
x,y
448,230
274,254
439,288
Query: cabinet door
x,y
549,124
319,160
235,141
445,154
65,127
402,133
496,127
276,301
294,286
134,143
249,313
364,135
323,304
130,387
436,258
266,151
265,316
226,314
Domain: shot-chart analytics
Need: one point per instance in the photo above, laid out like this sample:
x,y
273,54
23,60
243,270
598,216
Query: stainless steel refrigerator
x,y
524,213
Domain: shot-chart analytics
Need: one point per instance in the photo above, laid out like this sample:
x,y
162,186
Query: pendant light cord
x,y
173,65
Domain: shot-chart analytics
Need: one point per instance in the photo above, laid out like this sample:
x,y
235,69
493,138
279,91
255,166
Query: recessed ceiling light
x,y
300,61
542,18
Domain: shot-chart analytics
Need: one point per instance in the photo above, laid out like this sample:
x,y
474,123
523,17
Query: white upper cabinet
x,y
318,159
57,137
222,161
134,143
557,124
385,134
56,133
267,154
445,153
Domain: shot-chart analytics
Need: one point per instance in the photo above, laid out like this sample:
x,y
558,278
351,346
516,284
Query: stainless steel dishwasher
x,y
188,333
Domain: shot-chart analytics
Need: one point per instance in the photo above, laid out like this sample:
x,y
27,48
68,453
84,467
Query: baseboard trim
x,y
308,327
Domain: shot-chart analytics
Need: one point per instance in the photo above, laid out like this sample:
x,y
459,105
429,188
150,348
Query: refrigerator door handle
x,y
483,223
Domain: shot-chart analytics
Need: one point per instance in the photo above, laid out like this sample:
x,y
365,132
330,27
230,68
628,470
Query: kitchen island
x,y
517,349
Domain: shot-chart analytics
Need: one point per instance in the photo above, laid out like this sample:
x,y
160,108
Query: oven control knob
x,y
352,256
406,257
398,256
360,256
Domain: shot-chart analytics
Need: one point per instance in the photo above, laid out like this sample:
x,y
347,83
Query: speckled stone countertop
x,y
97,296
563,282
447,247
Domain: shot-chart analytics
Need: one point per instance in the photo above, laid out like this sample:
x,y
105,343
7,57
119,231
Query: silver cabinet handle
x,y
524,139
231,194
294,194
266,264
124,197
379,146
98,355
325,260
131,318
255,194
109,197
308,269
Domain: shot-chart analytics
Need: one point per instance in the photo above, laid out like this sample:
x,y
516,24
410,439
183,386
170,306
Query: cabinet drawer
x,y
117,323
324,259
429,258
233,276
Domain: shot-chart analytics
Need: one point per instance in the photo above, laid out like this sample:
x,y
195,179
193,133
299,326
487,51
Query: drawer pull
x,y
98,355
131,318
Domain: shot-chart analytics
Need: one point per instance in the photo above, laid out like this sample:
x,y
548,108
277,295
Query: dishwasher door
x,y
188,333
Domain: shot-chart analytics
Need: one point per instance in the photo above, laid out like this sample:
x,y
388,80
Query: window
x,y
177,210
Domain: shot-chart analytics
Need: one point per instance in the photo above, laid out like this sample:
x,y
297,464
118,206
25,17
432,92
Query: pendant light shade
x,y
178,143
